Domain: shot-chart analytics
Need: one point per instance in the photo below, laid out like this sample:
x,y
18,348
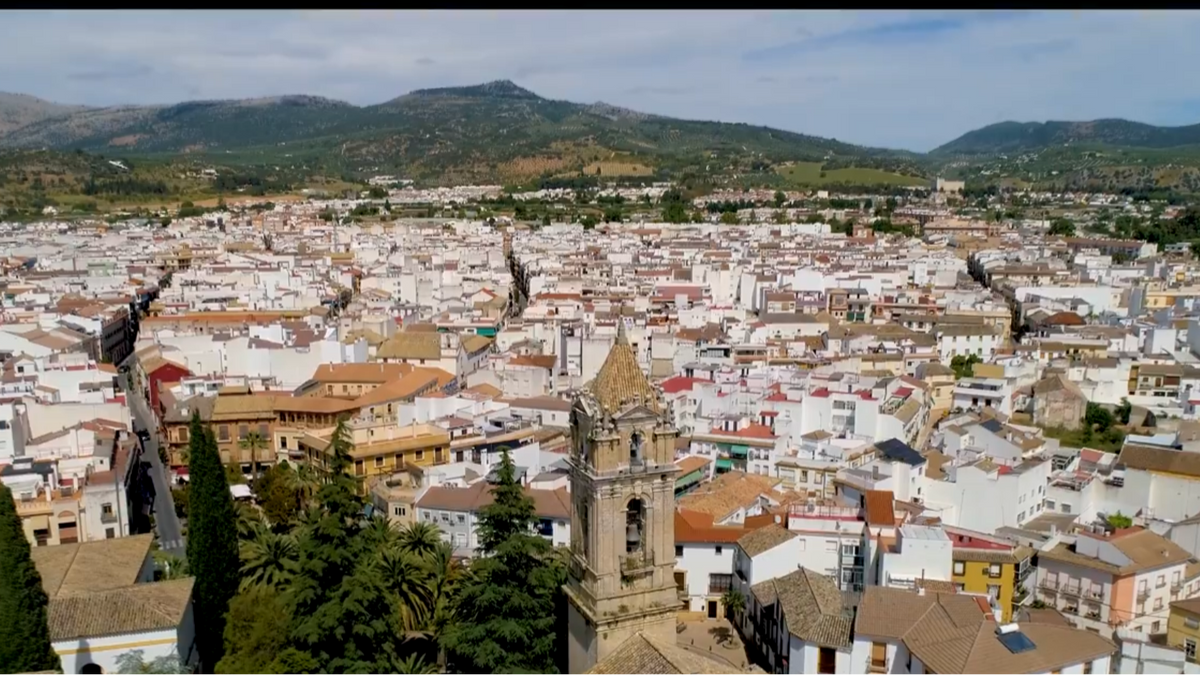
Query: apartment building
x,y
1123,579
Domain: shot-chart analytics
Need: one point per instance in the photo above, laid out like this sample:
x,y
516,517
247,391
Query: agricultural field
x,y
811,173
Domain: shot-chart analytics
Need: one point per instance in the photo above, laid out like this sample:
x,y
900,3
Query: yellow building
x,y
984,565
380,448
1183,627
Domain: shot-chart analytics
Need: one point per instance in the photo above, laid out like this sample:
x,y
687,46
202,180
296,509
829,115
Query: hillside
x,y
21,110
496,131
1021,137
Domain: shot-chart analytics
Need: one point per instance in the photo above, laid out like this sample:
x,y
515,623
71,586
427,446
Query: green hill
x,y
496,130
1020,137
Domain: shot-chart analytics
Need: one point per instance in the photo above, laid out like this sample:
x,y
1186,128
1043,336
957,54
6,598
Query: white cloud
x,y
902,79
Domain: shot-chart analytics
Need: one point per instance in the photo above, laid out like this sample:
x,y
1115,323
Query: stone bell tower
x,y
621,580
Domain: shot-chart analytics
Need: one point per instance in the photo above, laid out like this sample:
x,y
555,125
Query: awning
x,y
724,464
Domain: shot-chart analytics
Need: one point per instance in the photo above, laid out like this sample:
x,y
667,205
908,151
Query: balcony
x,y
1176,587
1070,590
108,518
1093,614
1143,595
1049,584
1094,593
637,564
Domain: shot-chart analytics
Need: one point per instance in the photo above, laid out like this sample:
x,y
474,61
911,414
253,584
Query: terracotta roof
x,y
727,493
361,372
411,345
764,539
692,463
952,633
546,503
133,609
621,379
812,607
692,527
880,507
643,654
1149,458
1145,550
91,566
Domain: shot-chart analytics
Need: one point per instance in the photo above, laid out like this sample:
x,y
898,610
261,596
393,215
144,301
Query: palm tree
x,y
268,559
734,602
407,579
381,533
304,480
413,664
445,574
253,442
249,521
420,538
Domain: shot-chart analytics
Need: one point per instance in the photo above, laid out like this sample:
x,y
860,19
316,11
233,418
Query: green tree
x,y
25,645
256,632
734,601
1124,411
277,497
508,610
212,547
338,584
1098,416
1119,521
964,366
268,559
1061,227
729,218
132,662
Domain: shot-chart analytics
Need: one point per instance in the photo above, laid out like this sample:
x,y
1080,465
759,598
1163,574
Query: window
x,y
106,509
719,550
420,455
399,511
878,657
110,533
243,430
635,448
1156,627
264,431
378,462
678,551
1160,581
182,434
960,568
1158,604
1087,668
462,519
1191,622
719,583
994,570
223,433
1066,508
1189,649
993,591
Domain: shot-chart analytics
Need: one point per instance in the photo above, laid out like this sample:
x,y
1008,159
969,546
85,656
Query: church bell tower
x,y
622,565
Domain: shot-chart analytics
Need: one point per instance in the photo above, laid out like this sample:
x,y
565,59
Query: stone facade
x,y
622,563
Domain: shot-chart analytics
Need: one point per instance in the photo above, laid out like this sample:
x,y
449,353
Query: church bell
x,y
633,536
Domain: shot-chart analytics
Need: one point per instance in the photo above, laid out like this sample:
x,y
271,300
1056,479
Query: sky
x,y
898,79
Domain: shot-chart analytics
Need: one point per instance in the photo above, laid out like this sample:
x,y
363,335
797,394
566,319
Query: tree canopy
x,y
25,643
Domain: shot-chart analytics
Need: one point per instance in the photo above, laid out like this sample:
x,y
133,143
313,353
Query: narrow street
x,y
170,532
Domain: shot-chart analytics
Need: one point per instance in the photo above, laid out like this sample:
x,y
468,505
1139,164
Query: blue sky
x,y
896,79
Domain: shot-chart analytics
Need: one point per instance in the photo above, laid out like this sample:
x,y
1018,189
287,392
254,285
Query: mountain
x,y
1019,137
20,110
496,129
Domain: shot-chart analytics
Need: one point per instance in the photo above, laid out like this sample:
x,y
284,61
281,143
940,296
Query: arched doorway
x,y
91,668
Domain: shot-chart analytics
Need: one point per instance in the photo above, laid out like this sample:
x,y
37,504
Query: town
x,y
916,431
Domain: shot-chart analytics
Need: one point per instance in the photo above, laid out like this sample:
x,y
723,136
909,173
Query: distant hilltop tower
x,y
621,585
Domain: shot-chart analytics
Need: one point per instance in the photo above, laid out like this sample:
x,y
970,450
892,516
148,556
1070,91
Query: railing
x,y
1094,593
1094,614
878,666
1049,584
1070,589
1176,586
1142,596
637,564
108,517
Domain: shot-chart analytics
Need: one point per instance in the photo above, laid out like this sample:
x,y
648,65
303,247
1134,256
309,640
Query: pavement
x,y
170,531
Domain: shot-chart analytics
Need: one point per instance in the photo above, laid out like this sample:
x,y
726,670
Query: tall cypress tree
x,y
25,645
212,547
508,612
